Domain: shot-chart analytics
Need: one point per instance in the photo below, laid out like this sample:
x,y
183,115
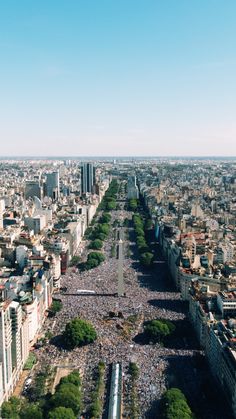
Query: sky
x,y
117,77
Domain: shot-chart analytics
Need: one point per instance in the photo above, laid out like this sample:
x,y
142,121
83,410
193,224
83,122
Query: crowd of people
x,y
117,320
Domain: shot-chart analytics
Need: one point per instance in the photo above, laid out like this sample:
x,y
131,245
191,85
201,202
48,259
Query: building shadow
x,y
177,306
183,338
193,377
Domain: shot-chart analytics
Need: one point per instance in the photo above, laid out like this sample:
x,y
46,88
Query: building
x,y
32,188
36,224
52,185
226,302
14,347
5,346
221,355
132,188
2,209
87,178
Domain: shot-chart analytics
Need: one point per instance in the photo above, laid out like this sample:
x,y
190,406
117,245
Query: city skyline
x,y
120,79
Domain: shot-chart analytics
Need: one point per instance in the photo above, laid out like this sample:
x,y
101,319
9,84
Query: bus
x,y
82,292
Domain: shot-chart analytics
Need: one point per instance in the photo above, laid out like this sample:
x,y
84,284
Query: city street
x,y
148,296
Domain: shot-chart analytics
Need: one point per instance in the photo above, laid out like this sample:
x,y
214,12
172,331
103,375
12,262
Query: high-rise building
x,y
32,188
133,192
87,178
2,209
52,185
14,346
5,346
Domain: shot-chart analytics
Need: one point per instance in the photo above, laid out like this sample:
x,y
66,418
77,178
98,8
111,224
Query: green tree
x,y
104,228
31,411
91,263
56,306
72,378
38,390
157,330
146,258
140,241
88,232
94,259
74,261
67,395
96,255
174,405
143,248
100,236
105,218
61,413
137,219
79,332
134,370
133,204
11,409
31,360
139,231
96,244
111,205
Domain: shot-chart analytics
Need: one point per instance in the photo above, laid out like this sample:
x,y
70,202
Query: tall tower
x,y
87,177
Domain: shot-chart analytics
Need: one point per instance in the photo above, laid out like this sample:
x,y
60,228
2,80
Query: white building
x,y
226,302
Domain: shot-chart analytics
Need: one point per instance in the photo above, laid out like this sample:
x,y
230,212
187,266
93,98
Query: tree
x,y
134,370
111,205
104,228
31,360
105,218
68,395
61,413
88,232
157,330
140,241
143,248
74,261
38,390
146,258
139,231
72,378
100,236
55,307
94,259
174,405
11,409
133,204
31,411
79,332
137,219
96,255
96,244
90,264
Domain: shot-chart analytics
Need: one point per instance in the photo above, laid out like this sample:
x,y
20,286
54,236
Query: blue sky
x,y
118,77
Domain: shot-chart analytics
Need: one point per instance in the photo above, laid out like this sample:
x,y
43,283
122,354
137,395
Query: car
x,y
28,381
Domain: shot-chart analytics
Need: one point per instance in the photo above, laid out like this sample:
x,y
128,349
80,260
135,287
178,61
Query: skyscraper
x,y
32,188
52,185
87,177
133,192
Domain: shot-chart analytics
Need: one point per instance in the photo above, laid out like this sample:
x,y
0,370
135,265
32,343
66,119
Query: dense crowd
x,y
116,332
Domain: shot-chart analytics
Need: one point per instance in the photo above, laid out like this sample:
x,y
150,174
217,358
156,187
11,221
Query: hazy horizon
x,y
78,157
